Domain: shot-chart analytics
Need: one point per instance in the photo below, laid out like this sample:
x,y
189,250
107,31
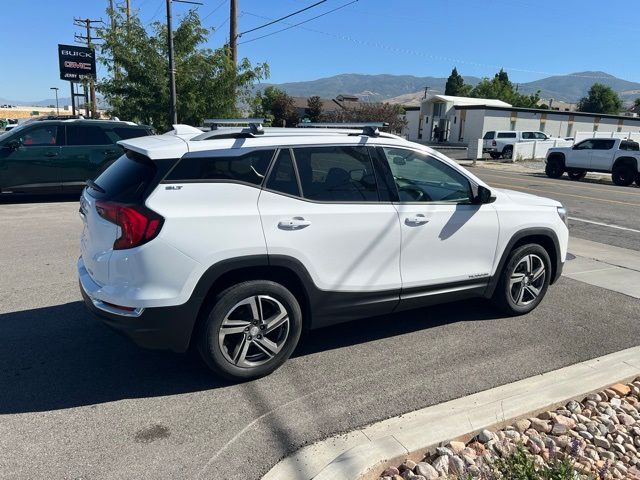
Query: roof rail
x,y
369,129
254,124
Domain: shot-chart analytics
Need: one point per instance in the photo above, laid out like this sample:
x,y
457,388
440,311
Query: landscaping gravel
x,y
601,434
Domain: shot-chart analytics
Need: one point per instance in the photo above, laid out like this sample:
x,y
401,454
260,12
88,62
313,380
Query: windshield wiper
x,y
91,184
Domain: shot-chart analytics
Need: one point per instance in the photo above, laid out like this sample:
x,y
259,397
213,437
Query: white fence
x,y
537,148
635,136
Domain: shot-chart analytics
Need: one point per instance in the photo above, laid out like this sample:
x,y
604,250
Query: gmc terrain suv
x,y
238,240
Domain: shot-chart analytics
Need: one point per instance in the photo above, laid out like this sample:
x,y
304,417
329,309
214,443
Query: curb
x,y
364,453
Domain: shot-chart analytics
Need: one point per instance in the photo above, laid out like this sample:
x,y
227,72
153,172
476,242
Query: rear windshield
x,y
125,180
507,135
629,145
489,136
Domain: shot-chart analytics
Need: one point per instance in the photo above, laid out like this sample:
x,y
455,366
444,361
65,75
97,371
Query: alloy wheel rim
x,y
527,280
254,331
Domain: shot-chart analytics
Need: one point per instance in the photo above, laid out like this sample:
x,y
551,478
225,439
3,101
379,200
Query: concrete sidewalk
x,y
605,266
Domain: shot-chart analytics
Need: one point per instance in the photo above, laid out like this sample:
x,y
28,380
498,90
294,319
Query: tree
x,y
371,112
636,102
501,88
600,99
314,108
137,84
276,106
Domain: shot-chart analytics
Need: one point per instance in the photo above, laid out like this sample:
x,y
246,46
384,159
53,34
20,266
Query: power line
x,y
214,10
299,23
282,18
417,53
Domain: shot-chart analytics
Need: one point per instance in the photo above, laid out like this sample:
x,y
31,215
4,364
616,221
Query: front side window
x,y
422,178
585,145
540,136
338,174
249,168
603,144
528,136
40,136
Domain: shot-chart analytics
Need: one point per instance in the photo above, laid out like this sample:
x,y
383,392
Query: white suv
x,y
238,240
501,143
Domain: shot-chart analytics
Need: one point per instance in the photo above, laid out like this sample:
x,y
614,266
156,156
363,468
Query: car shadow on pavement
x,y
62,357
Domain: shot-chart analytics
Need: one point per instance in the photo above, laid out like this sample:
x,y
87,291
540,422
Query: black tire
x,y
217,351
554,168
576,174
507,294
638,180
494,155
623,175
507,152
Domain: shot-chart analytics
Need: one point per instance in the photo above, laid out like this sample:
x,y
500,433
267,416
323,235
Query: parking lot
x,y
79,401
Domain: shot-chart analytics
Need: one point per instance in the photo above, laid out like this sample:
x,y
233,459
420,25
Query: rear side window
x,y
507,135
124,133
86,135
248,168
283,176
528,136
603,144
489,136
628,145
339,174
126,180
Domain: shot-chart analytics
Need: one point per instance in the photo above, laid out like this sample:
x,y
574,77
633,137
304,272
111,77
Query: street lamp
x,y
57,108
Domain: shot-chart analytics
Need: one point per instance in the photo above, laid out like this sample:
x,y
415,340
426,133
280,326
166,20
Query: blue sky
x,y
529,38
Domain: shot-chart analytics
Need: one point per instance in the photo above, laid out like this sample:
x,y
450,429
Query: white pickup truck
x,y
501,143
619,157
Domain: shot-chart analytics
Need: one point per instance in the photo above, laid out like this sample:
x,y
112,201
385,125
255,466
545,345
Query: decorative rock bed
x,y
600,435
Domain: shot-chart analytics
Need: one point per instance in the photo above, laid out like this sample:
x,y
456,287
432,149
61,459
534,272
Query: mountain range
x,y
409,89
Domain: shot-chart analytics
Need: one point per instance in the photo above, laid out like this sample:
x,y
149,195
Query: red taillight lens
x,y
138,224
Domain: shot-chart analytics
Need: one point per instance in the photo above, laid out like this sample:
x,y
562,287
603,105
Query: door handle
x,y
295,223
50,154
415,220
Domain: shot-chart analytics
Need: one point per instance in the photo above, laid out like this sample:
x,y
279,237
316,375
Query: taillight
x,y
493,144
137,224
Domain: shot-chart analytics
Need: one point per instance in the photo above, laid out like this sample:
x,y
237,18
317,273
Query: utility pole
x,y
233,31
88,24
128,11
57,107
173,113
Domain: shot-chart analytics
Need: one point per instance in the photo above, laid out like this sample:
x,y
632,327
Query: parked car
x,y
47,156
237,240
620,157
501,143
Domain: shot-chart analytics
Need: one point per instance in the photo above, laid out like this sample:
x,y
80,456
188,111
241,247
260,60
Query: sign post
x,y
76,64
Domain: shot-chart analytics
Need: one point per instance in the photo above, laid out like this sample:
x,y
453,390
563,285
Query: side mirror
x,y
484,195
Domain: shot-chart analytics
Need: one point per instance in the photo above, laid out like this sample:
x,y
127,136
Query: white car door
x,y
447,241
580,155
602,154
321,207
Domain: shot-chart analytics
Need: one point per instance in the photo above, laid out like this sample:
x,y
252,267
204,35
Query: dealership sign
x,y
76,63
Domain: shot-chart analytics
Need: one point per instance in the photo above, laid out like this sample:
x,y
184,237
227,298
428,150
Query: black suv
x,y
53,156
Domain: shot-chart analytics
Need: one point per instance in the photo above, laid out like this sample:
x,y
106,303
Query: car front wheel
x,y
524,280
554,168
251,330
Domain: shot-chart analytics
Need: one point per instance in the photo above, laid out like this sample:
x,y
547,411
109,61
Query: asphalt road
x,y
79,401
587,201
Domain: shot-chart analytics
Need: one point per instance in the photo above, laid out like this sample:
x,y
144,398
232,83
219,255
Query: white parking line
x,y
604,224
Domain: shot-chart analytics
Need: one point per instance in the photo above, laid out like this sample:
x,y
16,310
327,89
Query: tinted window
x,y
126,179
421,178
125,133
585,145
39,136
250,167
86,135
628,145
603,144
283,177
507,135
343,174
489,136
528,136
539,136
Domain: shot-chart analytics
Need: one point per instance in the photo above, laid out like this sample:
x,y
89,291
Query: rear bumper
x,y
167,328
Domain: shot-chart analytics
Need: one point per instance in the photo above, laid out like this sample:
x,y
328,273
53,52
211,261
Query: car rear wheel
x,y
576,174
507,152
623,175
524,280
554,168
251,330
